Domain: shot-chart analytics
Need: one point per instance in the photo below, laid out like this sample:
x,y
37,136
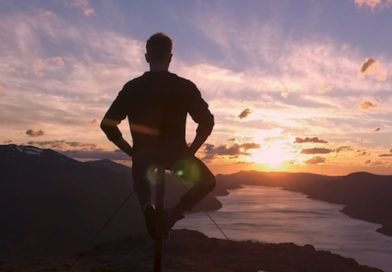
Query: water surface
x,y
270,214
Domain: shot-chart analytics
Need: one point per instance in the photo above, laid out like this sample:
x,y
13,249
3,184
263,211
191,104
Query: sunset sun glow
x,y
273,156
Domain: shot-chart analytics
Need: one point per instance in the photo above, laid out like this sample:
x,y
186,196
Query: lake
x,y
270,214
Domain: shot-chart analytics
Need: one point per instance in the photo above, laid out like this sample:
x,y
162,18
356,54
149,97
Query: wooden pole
x,y
160,200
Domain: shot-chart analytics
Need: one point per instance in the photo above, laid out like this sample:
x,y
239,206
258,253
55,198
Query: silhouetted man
x,y
157,104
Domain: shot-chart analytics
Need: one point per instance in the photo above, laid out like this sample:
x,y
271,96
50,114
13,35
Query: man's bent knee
x,y
209,183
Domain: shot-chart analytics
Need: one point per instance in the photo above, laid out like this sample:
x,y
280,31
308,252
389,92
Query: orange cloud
x,y
316,160
367,105
386,154
343,148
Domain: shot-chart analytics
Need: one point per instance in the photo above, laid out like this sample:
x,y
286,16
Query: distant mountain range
x,y
54,205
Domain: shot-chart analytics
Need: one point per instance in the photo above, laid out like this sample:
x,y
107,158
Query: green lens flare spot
x,y
179,173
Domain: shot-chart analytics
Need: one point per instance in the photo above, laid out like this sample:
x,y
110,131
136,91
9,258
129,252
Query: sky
x,y
299,86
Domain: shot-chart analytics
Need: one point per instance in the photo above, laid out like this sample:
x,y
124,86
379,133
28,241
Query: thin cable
x,y
209,216
100,231
215,223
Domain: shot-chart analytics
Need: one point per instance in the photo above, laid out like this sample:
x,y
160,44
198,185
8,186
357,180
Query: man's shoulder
x,y
186,83
135,81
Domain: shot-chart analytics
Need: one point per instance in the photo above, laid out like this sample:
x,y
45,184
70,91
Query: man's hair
x,y
159,47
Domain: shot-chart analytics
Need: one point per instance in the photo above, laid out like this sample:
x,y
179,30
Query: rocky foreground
x,y
193,251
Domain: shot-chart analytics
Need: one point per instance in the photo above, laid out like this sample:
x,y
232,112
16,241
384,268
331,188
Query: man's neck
x,y
159,67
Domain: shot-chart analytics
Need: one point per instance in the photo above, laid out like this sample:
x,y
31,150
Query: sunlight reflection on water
x,y
273,215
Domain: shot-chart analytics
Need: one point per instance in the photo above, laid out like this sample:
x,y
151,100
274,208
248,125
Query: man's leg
x,y
140,181
140,173
202,181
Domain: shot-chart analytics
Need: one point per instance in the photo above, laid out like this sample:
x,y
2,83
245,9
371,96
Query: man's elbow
x,y
211,124
109,127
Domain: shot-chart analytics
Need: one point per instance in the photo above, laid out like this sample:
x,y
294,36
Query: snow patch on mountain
x,y
31,150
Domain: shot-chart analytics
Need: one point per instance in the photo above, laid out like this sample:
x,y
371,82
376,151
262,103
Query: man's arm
x,y
198,109
113,117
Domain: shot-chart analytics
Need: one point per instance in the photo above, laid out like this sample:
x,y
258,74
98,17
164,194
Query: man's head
x,y
159,47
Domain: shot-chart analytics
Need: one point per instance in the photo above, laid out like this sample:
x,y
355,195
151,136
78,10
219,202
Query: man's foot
x,y
170,217
150,217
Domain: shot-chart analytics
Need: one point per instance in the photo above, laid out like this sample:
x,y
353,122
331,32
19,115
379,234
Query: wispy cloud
x,y
84,6
43,66
299,140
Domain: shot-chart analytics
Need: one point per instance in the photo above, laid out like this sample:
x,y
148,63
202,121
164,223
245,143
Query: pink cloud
x,y
373,4
47,65
2,88
84,6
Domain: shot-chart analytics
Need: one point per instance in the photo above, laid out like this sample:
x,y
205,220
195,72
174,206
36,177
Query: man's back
x,y
157,104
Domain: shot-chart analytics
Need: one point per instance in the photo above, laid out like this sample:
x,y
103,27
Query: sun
x,y
273,155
